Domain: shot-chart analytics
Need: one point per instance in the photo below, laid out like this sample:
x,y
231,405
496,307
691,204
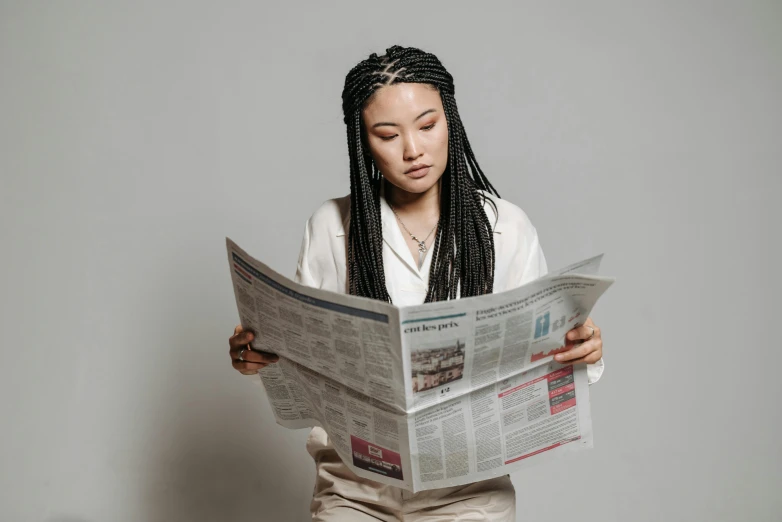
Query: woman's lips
x,y
418,173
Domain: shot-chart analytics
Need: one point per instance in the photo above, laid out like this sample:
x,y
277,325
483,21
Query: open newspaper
x,y
427,396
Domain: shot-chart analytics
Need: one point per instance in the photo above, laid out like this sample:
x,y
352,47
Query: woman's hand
x,y
584,343
245,359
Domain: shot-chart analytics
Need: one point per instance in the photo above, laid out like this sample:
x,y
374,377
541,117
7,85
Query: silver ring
x,y
241,355
592,334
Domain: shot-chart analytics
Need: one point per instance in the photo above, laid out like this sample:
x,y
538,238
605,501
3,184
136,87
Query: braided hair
x,y
463,255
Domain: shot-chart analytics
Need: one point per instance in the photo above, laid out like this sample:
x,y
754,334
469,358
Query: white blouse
x,y
323,257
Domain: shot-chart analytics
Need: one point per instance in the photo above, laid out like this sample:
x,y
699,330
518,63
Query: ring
x,y
241,355
590,335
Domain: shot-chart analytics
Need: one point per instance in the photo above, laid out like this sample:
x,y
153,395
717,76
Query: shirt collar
x,y
393,237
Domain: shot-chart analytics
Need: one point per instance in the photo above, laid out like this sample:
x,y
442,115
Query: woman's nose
x,y
412,148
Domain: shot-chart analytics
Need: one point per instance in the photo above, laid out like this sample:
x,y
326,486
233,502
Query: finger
x,y
581,332
241,339
592,358
256,356
580,350
249,367
247,352
239,329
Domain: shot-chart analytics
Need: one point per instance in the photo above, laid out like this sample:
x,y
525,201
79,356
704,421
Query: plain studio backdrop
x,y
135,136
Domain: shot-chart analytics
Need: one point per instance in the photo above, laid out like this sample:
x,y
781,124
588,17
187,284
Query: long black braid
x,y
463,255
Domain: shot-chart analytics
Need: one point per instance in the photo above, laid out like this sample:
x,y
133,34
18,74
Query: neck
x,y
424,203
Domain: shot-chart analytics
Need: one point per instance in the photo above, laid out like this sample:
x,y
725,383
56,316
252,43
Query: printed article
x,y
428,396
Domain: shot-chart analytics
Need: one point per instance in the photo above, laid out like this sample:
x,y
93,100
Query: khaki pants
x,y
342,496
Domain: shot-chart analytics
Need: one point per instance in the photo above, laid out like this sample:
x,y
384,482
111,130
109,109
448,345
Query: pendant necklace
x,y
421,244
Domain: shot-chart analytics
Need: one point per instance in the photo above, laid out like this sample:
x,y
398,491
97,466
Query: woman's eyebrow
x,y
387,123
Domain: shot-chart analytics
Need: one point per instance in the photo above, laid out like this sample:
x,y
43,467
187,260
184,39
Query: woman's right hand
x,y
253,360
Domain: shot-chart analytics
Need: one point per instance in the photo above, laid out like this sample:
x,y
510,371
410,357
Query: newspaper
x,y
428,396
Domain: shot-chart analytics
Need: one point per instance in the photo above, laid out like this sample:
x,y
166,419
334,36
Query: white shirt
x,y
322,261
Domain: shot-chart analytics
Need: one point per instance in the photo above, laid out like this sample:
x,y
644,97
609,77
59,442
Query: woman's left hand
x,y
584,345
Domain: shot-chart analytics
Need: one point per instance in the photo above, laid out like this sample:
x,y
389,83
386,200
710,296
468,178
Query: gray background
x,y
135,136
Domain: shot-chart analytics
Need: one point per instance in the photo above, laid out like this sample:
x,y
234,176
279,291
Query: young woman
x,y
422,223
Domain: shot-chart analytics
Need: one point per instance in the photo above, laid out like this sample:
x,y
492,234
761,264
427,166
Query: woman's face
x,y
406,129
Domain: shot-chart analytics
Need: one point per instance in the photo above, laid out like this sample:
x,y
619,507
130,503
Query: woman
x,y
422,223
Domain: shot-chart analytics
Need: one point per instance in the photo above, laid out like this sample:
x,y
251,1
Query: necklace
x,y
421,244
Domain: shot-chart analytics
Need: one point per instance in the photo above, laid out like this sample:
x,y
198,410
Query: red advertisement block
x,y
562,406
372,457
562,389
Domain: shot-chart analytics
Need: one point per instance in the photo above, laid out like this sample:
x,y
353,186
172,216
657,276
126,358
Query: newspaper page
x,y
428,396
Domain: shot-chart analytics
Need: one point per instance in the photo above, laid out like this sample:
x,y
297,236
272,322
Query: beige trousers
x,y
340,495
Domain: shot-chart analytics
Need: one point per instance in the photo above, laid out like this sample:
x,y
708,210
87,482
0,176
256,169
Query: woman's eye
x,y
387,138
429,127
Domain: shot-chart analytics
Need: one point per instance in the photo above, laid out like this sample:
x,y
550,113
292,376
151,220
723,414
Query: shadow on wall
x,y
212,448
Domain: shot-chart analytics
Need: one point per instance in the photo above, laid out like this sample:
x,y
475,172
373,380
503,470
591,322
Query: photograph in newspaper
x,y
438,346
433,367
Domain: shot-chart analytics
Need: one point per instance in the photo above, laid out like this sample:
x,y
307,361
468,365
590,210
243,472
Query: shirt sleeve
x,y
303,271
535,266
